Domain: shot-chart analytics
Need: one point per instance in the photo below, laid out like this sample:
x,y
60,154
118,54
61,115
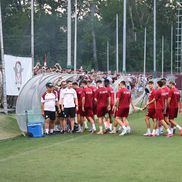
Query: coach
x,y
69,103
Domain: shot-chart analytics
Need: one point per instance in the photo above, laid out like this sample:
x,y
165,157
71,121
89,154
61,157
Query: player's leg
x,y
127,124
100,122
120,122
147,121
51,126
114,127
173,113
52,122
167,128
56,126
154,126
47,121
90,115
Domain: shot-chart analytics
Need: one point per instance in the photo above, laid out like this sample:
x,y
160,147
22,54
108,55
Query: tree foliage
x,y
96,26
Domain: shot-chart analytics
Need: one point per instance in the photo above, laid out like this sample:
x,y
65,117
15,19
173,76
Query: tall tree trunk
x,y
95,63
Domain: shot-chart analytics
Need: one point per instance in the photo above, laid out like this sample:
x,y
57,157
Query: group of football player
x,y
163,107
82,103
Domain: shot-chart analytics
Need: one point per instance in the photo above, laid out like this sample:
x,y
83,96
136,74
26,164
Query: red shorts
x,y
122,112
88,112
80,110
101,111
167,113
173,113
159,114
94,108
151,113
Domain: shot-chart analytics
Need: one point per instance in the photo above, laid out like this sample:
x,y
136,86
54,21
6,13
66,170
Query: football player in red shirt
x,y
160,108
122,107
94,88
80,118
165,95
87,104
111,94
102,99
174,105
151,111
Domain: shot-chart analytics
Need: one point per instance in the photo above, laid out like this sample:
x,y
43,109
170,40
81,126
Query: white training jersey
x,y
68,96
49,100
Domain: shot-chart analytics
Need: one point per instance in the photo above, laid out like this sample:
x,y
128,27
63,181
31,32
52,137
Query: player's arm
x,y
58,106
62,104
168,101
109,103
95,97
180,108
116,104
42,108
76,103
148,103
83,103
42,105
134,109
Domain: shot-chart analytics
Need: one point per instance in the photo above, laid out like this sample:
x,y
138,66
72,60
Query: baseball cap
x,y
49,85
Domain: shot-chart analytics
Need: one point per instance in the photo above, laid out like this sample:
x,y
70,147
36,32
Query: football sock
x,y
114,128
47,131
124,127
153,132
93,127
51,130
169,131
148,131
179,127
100,127
157,131
110,127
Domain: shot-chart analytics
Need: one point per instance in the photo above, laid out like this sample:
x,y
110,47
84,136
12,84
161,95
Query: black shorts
x,y
50,115
69,112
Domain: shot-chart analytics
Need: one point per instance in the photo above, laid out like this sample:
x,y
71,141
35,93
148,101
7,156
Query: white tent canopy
x,y
30,96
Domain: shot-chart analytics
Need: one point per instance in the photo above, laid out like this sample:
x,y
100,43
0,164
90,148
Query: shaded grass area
x,y
86,157
8,127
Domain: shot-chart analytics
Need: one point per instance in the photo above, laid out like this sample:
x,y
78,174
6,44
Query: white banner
x,y
18,71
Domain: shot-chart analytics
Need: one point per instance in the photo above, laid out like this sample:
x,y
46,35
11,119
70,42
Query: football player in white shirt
x,y
69,103
48,102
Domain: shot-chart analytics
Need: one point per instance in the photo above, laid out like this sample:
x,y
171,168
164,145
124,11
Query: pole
x,y
172,49
107,56
117,46
69,34
145,50
124,37
162,56
32,34
75,50
5,105
154,56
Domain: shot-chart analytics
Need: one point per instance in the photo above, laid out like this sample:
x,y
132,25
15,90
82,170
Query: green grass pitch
x,y
92,158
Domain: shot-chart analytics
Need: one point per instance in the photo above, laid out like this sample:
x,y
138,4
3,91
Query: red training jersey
x,y
102,96
159,99
124,96
174,94
93,88
165,94
111,94
89,96
151,97
79,95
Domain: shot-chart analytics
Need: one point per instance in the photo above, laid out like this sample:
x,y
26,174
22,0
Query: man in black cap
x,y
48,102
